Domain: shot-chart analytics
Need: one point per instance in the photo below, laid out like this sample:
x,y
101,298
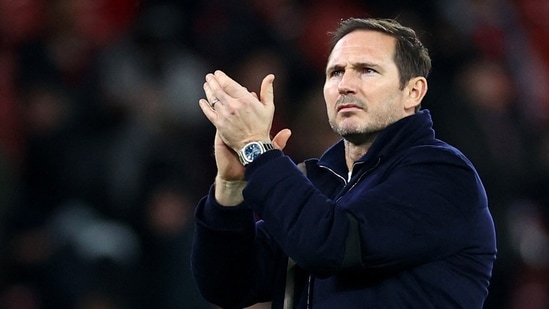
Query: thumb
x,y
267,91
281,138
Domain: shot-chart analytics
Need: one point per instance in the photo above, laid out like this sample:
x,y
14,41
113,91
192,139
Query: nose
x,y
348,83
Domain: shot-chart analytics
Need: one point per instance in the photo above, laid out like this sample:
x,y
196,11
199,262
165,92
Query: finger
x,y
208,91
281,138
213,100
267,89
229,85
212,89
208,111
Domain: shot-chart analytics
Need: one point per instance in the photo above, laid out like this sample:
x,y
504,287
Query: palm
x,y
228,165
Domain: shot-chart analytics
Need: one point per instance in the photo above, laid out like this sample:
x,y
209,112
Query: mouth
x,y
349,103
348,106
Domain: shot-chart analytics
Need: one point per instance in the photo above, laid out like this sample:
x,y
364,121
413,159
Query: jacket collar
x,y
400,135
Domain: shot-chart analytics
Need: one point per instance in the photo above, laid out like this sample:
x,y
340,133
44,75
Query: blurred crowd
x,y
104,151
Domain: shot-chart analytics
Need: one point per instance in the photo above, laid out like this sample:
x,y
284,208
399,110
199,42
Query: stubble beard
x,y
356,135
359,133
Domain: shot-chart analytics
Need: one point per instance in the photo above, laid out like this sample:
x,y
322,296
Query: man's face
x,y
362,85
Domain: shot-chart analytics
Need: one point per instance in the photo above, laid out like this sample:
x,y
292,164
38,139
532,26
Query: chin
x,y
359,138
349,127
356,134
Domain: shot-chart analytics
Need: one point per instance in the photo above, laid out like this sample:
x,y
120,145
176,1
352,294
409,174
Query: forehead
x,y
363,45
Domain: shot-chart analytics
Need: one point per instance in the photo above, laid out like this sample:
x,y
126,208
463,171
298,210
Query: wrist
x,y
229,192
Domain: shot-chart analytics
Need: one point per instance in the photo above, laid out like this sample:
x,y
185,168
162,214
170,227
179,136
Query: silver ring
x,y
213,102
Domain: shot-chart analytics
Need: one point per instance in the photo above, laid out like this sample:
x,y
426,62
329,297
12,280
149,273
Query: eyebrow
x,y
354,65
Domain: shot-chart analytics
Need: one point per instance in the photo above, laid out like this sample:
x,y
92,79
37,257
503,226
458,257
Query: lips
x,y
345,102
348,106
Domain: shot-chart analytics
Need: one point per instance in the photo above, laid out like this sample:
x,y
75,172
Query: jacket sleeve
x,y
233,260
417,210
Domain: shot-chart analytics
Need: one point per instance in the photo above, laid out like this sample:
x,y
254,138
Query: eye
x,y
368,70
335,73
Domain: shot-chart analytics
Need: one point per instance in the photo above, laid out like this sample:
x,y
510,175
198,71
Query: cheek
x,y
329,101
326,91
330,95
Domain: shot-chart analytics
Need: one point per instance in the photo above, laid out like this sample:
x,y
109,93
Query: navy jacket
x,y
411,229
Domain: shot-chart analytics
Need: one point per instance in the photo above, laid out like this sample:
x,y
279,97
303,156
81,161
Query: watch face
x,y
252,151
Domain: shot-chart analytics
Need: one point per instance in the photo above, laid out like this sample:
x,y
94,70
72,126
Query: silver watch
x,y
252,150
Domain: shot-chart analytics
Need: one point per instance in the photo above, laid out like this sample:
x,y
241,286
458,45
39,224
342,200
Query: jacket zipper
x,y
359,179
310,279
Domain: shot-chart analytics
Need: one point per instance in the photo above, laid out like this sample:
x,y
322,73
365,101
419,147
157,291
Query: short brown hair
x,y
411,57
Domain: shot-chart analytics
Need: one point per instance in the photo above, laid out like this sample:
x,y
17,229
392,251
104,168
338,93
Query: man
x,y
389,217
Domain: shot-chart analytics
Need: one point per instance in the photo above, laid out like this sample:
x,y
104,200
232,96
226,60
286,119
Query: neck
x,y
353,152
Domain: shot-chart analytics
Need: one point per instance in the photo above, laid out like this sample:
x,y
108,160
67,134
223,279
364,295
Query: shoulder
x,y
437,151
440,162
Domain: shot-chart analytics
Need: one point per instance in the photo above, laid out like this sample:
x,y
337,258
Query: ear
x,y
415,90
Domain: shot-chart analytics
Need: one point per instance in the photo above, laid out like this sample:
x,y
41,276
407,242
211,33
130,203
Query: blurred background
x,y
104,151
